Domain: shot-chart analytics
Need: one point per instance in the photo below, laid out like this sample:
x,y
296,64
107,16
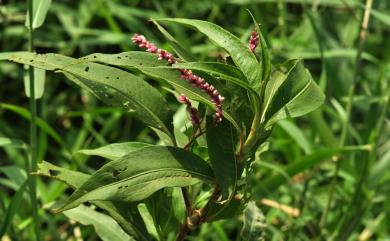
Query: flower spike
x,y
187,74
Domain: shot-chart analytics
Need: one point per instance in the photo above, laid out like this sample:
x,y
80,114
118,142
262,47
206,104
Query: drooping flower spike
x,y
193,112
186,74
253,41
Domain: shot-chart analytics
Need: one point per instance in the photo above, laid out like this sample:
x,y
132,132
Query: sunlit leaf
x,y
114,86
141,173
104,225
241,55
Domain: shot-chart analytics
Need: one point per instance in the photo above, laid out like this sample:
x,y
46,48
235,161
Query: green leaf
x,y
105,226
39,81
254,224
13,208
291,92
10,142
14,173
40,9
179,50
240,53
221,148
141,173
149,65
297,134
112,151
130,221
113,86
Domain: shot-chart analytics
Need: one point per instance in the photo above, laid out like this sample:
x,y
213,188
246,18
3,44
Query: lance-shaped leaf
x,y
291,92
113,86
112,151
141,173
149,64
131,222
221,148
105,226
241,55
182,52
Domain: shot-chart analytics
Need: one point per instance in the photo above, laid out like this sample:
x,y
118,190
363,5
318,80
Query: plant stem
x,y
344,131
33,131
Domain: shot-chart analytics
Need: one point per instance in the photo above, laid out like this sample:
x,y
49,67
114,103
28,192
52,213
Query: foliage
x,y
149,168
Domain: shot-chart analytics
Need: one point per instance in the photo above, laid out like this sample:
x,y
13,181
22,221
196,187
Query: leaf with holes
x,y
141,173
130,221
149,64
113,86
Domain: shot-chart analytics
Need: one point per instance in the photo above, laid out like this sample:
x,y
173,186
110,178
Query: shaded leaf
x,y
221,148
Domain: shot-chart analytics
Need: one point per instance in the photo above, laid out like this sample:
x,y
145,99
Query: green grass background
x,y
297,167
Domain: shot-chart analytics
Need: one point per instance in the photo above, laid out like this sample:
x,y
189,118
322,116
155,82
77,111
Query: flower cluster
x,y
186,74
200,83
253,41
193,112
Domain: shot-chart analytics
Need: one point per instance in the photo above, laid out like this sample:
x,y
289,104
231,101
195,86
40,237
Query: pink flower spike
x,y
187,75
253,41
192,111
183,99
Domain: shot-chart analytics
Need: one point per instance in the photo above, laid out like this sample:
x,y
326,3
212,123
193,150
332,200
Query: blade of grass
x,y
12,210
32,180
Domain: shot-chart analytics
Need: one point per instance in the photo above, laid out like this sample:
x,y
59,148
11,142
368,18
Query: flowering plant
x,y
199,171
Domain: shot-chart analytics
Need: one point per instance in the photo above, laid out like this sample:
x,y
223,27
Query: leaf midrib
x,y
57,67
